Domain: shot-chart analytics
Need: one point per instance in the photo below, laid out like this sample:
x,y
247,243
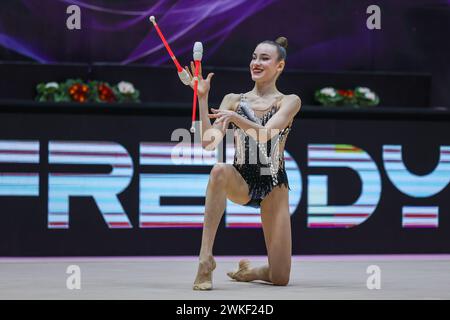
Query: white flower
x,y
52,85
370,95
364,90
328,91
125,87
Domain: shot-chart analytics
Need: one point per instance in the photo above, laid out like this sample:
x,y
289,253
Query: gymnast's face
x,y
265,65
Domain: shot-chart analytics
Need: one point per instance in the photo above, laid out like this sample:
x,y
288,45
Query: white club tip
x,y
192,129
198,51
198,46
152,19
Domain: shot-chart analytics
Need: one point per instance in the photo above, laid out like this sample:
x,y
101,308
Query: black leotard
x,y
261,175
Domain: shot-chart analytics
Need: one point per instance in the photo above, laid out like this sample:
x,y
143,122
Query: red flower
x,y
346,93
78,92
105,93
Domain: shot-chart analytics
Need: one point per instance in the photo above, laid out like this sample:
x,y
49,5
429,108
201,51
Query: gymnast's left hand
x,y
223,117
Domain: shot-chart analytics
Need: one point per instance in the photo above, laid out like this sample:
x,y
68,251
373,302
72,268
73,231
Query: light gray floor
x,y
171,278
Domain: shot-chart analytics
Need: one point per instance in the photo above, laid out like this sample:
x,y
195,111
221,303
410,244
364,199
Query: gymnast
x,y
261,120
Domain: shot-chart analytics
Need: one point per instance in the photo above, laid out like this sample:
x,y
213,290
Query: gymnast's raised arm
x,y
202,93
211,134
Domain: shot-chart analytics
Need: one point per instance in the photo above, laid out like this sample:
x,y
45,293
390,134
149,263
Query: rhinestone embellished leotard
x,y
266,170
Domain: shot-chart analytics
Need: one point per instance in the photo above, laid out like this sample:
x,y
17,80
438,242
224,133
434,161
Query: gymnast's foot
x,y
203,281
243,273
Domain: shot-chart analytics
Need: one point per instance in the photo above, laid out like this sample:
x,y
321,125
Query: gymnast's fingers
x,y
193,68
189,72
209,77
225,125
200,75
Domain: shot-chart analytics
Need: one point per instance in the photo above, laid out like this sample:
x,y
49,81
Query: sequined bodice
x,y
269,155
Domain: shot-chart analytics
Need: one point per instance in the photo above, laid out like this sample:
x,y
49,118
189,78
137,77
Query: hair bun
x,y
282,41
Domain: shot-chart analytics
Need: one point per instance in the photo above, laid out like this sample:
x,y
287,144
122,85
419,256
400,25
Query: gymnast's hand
x,y
203,84
223,117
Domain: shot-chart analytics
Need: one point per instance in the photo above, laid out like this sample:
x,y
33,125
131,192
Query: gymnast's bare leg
x,y
224,182
277,234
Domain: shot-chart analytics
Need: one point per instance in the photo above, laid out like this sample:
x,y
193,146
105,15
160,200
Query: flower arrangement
x,y
76,90
360,96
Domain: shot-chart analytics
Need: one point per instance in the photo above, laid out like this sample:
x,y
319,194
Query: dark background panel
x,y
23,228
161,84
